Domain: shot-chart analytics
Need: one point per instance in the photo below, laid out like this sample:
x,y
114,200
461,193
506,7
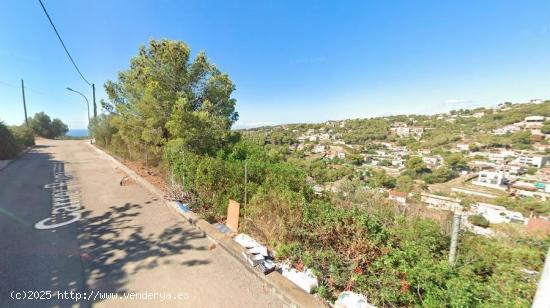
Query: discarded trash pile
x,y
256,254
303,279
259,256
348,299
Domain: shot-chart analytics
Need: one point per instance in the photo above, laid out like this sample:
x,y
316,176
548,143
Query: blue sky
x,y
292,61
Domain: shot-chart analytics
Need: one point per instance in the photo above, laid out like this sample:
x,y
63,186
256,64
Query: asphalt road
x,y
67,225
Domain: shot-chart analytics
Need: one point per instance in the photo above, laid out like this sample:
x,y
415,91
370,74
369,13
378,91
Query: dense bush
x,y
103,129
13,140
527,206
367,245
399,261
23,135
43,126
213,180
323,171
479,221
8,144
439,175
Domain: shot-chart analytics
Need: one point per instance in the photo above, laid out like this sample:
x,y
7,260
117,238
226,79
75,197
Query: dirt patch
x,y
442,217
127,181
152,174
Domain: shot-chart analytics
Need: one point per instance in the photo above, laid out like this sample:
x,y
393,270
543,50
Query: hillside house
x,y
432,161
417,131
497,179
441,202
533,122
508,129
401,131
496,214
335,153
537,161
319,148
324,136
398,196
463,147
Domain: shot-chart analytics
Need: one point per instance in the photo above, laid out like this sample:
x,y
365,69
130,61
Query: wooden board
x,y
233,215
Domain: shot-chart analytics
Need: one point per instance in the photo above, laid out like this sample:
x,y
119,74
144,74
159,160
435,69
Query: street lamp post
x,y
87,107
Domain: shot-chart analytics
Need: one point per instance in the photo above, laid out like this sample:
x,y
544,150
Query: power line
x,y
33,90
7,84
62,43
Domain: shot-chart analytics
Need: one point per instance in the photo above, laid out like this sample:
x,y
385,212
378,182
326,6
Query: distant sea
x,y
77,132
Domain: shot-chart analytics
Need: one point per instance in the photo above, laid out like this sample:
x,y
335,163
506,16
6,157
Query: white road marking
x,y
66,207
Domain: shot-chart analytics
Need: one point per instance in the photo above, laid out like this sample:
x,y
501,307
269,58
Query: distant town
x,y
488,163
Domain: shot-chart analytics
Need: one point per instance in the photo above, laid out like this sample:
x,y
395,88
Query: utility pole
x,y
454,237
24,103
93,96
245,183
542,297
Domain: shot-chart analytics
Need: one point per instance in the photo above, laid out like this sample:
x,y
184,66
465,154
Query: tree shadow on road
x,y
111,249
113,246
41,146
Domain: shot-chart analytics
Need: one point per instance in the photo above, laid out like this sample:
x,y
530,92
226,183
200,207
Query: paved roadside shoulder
x,y
133,244
36,263
274,280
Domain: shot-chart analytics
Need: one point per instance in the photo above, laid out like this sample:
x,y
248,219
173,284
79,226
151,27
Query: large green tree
x,y
522,137
58,128
41,124
44,126
165,95
416,166
456,161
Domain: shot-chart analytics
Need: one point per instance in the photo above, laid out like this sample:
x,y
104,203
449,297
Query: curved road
x,y
67,225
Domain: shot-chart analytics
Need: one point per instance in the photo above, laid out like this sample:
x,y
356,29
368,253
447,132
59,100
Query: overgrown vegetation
x,y
169,111
165,96
43,126
13,140
525,205
478,220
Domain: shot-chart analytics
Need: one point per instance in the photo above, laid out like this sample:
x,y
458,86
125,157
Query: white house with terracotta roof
x,y
398,196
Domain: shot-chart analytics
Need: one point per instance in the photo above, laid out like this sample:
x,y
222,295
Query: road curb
x,y
6,162
282,286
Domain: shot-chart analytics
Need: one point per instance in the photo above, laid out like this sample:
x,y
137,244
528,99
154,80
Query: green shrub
x,y
9,147
213,180
479,221
369,247
13,140
43,126
103,130
23,135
